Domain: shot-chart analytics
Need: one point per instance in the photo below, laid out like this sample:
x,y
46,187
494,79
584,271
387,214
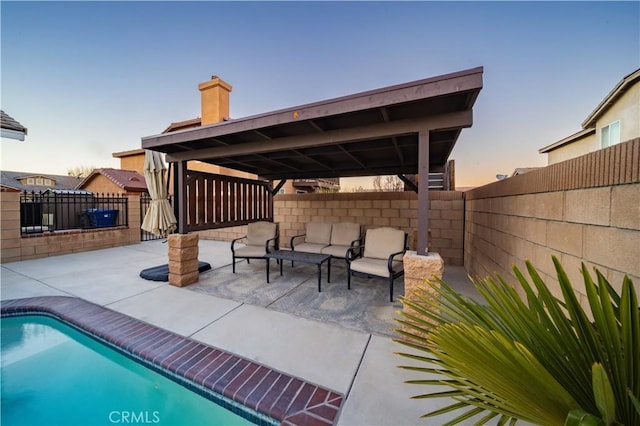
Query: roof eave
x,y
426,88
569,139
611,98
127,153
13,134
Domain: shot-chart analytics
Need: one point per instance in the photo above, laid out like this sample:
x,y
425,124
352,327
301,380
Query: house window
x,y
31,181
39,181
610,135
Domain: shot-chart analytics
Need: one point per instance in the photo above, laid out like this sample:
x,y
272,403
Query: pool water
x,y
54,375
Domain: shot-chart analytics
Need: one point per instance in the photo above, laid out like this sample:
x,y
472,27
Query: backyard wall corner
x,y
586,209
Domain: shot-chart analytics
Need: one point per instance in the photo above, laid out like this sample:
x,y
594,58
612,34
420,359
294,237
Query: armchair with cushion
x,y
316,237
261,238
382,257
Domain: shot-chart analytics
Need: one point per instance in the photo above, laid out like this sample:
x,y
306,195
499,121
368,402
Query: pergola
x,y
409,128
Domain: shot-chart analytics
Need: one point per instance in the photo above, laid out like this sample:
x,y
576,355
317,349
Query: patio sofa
x,y
384,249
326,238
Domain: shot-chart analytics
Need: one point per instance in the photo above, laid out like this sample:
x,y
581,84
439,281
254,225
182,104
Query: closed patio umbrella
x,y
159,218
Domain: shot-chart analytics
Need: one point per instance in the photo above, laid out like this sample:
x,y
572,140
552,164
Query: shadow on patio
x,y
365,307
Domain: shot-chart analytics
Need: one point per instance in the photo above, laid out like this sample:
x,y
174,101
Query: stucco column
x,y
418,269
134,220
11,241
183,259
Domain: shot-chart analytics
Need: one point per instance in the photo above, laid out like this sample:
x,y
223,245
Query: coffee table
x,y
300,256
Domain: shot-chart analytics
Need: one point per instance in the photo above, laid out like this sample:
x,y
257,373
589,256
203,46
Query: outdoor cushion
x,y
344,233
380,243
259,232
251,251
377,267
310,247
318,233
336,250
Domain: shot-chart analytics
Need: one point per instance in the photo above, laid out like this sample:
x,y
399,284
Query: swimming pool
x,y
55,375
268,396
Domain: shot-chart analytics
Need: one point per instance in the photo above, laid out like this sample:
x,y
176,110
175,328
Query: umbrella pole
x,y
169,176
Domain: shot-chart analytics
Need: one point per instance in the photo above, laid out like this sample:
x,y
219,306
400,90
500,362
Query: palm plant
x,y
541,360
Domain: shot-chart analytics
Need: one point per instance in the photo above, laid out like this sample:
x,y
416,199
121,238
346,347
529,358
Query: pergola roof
x,y
364,134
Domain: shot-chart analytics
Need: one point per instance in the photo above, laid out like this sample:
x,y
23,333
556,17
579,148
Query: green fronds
x,y
539,359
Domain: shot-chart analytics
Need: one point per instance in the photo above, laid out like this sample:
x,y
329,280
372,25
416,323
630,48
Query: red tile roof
x,y
125,179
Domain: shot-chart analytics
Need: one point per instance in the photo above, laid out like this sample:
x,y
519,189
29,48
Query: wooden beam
x,y
350,155
329,137
319,163
385,114
365,171
262,135
332,137
423,192
278,186
449,84
181,178
409,183
394,140
315,125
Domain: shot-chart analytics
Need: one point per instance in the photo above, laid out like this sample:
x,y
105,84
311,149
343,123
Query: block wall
x,y
581,210
15,247
371,209
223,234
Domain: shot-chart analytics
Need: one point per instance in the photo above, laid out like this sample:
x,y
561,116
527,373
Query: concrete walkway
x,y
338,338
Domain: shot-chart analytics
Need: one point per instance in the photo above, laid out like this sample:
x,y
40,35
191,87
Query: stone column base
x,y
183,259
418,269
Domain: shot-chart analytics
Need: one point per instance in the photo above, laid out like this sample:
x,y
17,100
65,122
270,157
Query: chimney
x,y
215,100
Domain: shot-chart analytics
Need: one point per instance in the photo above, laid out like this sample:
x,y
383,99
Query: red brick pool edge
x,y
287,399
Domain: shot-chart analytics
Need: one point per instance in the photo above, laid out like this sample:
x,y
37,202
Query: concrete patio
x,y
339,338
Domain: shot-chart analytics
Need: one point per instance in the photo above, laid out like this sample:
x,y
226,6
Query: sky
x,y
92,78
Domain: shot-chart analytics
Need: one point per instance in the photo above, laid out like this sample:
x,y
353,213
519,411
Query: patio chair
x,y
382,257
261,238
344,236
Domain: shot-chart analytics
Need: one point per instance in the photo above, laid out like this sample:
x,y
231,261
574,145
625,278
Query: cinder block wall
x,y
376,209
581,210
14,247
223,234
371,209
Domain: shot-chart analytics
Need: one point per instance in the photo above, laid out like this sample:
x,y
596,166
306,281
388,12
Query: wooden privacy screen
x,y
218,201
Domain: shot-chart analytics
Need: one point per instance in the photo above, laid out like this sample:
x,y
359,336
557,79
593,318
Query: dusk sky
x,y
92,78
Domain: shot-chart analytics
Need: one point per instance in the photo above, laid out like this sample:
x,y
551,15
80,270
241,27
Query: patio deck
x,y
339,338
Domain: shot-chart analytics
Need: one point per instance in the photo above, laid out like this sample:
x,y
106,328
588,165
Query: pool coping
x,y
282,397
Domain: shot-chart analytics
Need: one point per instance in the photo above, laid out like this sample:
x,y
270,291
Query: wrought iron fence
x,y
145,202
56,210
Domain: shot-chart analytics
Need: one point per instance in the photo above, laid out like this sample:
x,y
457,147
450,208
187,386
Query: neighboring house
x,y
11,128
214,106
615,120
214,109
303,186
114,181
27,181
